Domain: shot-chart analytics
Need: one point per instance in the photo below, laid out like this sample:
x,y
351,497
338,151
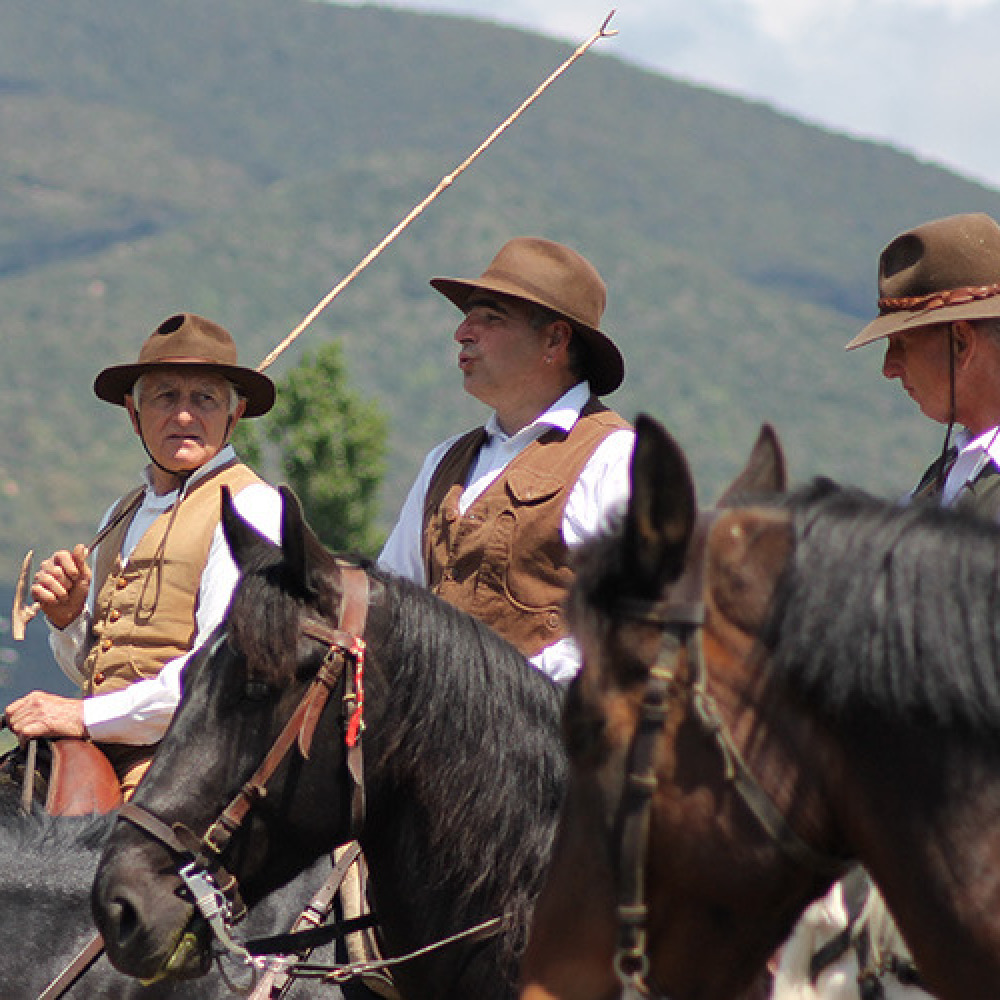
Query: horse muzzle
x,y
150,931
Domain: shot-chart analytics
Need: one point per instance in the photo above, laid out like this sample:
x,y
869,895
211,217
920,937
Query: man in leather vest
x,y
162,576
939,308
494,513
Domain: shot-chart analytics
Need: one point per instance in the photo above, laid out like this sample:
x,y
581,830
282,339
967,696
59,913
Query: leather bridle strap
x,y
86,957
680,623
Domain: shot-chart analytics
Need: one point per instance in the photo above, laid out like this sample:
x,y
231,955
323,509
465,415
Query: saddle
x,y
66,777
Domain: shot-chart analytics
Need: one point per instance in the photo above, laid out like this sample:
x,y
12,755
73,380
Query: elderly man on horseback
x,y
491,519
162,575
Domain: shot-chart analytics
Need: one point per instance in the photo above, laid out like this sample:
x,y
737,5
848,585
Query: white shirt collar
x,y
166,500
562,414
973,455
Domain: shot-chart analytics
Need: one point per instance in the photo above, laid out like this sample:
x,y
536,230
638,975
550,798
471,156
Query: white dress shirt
x,y
600,493
139,713
972,457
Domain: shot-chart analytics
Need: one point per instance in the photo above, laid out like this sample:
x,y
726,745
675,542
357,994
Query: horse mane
x,y
888,613
457,684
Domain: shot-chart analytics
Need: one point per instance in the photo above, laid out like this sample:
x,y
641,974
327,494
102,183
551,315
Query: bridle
x,y
680,619
213,890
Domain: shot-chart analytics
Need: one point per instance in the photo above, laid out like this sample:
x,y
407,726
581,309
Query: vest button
x,y
448,575
115,615
121,583
98,678
105,645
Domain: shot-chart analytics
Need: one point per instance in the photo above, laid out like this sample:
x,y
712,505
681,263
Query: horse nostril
x,y
123,920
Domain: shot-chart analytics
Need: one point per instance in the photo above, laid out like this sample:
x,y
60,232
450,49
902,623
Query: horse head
x,y
681,756
242,784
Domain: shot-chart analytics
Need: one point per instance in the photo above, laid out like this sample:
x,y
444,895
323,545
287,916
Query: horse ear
x,y
241,537
294,540
661,510
764,473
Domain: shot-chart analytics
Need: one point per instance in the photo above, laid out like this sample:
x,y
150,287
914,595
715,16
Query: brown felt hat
x,y
548,274
189,341
942,271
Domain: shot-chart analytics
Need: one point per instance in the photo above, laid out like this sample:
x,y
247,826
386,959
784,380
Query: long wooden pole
x,y
444,183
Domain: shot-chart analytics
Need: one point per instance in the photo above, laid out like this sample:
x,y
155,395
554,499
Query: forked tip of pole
x,y
605,33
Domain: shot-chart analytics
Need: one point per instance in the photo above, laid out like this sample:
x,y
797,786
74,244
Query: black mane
x,y
890,611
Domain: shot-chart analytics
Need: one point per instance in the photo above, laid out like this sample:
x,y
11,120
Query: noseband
x,y
213,890
680,618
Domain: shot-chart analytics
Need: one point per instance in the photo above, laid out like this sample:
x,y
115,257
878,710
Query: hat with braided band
x,y
942,271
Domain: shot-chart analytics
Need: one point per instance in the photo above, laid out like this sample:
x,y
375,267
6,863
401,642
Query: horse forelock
x,y
890,610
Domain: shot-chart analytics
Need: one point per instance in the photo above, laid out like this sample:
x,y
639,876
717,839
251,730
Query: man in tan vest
x,y
491,519
162,578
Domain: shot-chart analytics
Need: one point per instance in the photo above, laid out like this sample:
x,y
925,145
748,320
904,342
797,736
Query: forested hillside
x,y
237,157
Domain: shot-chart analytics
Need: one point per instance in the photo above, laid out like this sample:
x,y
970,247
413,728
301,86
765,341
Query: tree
x,y
330,446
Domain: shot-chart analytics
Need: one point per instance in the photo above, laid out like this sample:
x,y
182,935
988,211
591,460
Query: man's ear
x,y
133,414
558,335
963,338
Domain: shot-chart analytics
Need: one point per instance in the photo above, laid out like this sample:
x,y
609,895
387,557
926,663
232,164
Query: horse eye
x,y
256,691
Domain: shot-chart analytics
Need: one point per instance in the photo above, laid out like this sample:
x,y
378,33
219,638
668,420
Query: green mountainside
x,y
238,157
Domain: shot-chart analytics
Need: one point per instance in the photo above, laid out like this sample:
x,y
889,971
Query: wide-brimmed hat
x,y
551,275
189,341
942,271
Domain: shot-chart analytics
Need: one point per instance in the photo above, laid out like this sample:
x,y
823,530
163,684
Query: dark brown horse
x,y
787,685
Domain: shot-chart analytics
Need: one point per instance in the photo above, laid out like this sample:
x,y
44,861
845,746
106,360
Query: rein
x,y
680,618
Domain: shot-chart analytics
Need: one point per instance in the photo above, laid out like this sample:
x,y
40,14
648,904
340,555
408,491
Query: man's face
x,y
919,359
184,418
501,352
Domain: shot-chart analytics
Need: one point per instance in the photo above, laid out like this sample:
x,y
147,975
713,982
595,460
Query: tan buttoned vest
x,y
144,610
504,561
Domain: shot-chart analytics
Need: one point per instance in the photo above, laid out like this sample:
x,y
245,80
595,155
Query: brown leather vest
x,y
144,611
504,561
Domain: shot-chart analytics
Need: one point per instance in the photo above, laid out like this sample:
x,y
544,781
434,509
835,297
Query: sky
x,y
921,75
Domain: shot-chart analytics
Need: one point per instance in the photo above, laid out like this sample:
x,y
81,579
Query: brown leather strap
x,y
89,954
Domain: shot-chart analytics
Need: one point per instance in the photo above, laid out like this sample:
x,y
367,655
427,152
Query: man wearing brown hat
x,y
939,310
162,577
491,519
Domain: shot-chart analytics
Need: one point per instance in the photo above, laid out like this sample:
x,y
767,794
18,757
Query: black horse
x,y
47,867
463,771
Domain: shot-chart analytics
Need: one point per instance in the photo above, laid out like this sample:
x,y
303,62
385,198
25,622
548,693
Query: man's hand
x,y
39,714
61,585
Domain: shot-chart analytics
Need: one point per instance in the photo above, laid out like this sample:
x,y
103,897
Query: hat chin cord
x,y
943,457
